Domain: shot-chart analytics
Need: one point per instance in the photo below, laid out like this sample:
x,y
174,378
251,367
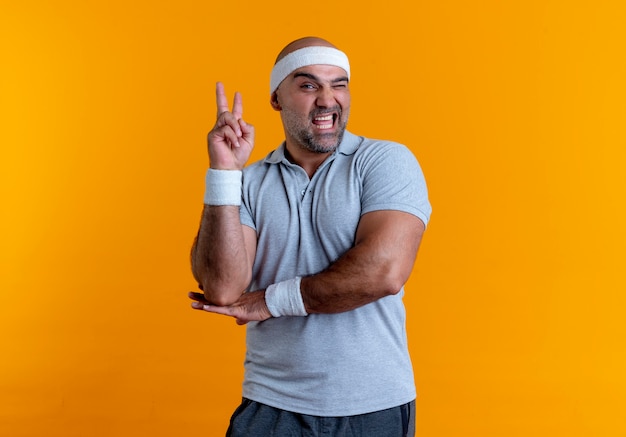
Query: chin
x,y
323,145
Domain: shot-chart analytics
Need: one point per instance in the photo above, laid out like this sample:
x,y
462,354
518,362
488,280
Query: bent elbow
x,y
393,287
224,293
393,282
221,296
221,299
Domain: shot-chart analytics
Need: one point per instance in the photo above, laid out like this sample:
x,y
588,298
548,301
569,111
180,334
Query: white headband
x,y
307,56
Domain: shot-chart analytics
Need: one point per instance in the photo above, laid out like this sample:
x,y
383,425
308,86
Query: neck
x,y
309,161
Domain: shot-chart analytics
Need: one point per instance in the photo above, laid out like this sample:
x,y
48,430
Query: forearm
x,y
356,279
219,259
377,266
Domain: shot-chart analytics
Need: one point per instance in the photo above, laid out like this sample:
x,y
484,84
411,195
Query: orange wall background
x,y
515,109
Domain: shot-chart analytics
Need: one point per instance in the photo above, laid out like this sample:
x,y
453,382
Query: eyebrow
x,y
316,79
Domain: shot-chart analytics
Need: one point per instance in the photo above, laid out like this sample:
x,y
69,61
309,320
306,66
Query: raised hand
x,y
231,140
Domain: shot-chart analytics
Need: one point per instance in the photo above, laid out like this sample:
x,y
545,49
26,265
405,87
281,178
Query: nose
x,y
325,97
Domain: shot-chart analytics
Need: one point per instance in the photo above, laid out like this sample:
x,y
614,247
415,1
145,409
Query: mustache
x,y
325,111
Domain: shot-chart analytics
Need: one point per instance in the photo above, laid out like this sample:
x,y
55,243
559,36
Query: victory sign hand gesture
x,y
231,140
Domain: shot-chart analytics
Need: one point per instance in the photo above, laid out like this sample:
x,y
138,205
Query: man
x,y
311,248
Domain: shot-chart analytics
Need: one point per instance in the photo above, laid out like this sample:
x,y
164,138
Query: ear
x,y
274,102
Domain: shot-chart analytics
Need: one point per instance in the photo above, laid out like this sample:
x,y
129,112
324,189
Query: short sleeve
x,y
392,179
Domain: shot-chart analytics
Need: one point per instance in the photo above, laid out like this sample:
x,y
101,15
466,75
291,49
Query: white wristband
x,y
223,187
285,298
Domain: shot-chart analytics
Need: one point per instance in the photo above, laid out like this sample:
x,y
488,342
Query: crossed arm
x,y
378,265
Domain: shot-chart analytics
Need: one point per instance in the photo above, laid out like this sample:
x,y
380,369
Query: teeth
x,y
323,118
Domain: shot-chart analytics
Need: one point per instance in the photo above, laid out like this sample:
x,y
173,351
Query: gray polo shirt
x,y
328,364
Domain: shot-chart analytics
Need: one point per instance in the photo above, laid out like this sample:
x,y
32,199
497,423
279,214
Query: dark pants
x,y
252,419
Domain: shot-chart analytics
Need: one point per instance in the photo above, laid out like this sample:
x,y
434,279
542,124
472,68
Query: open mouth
x,y
325,121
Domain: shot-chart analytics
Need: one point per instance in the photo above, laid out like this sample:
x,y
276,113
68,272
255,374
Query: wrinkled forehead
x,y
312,55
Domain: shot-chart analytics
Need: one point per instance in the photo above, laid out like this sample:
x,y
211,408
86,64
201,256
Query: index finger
x,y
220,98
